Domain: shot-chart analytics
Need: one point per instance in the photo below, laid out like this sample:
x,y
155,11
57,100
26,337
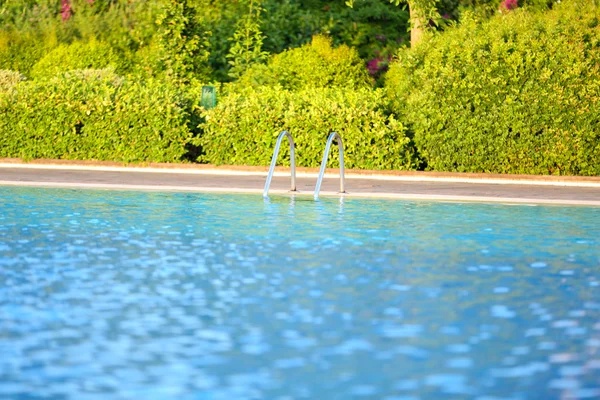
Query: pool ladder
x,y
333,136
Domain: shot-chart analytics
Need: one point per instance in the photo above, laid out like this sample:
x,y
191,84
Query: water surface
x,y
142,295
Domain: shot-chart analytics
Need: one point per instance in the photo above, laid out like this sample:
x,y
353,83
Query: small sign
x,y
209,97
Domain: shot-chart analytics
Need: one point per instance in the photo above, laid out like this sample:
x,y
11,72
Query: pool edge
x,y
408,176
329,194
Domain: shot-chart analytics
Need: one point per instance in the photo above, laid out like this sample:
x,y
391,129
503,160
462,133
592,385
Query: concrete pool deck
x,y
378,184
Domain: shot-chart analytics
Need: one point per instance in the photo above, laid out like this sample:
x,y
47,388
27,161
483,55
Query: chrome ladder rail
x,y
274,161
338,138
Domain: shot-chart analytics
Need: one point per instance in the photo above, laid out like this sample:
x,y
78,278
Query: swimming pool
x,y
145,295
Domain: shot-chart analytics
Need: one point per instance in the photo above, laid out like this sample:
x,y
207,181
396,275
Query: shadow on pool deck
x,y
383,184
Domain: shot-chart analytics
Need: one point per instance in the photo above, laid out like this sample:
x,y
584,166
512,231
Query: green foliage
x,y
221,19
126,26
148,61
9,79
519,93
183,42
287,24
77,55
421,9
94,115
488,8
315,65
538,5
30,30
370,26
19,52
283,23
26,13
243,128
375,28
247,41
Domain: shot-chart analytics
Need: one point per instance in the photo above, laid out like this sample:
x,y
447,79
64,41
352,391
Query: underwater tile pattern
x,y
146,295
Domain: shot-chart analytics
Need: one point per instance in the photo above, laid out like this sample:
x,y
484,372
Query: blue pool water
x,y
137,295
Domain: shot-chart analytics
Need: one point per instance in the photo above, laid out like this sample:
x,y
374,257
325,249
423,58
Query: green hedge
x,y
314,65
9,79
519,93
19,51
93,114
244,126
76,56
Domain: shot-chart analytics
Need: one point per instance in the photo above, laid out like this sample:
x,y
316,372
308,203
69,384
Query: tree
x,y
247,41
183,42
420,13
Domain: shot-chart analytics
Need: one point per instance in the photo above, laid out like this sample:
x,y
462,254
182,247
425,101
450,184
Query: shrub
x,y
77,55
247,41
243,128
95,115
19,51
29,30
375,28
315,65
183,42
519,93
9,79
289,24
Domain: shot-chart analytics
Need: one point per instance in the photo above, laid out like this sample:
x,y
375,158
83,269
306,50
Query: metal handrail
x,y
274,161
338,138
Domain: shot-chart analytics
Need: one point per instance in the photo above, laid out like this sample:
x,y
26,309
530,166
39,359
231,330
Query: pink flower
x,y
377,65
65,10
509,5
373,66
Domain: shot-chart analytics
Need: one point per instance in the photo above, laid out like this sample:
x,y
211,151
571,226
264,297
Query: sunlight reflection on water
x,y
191,296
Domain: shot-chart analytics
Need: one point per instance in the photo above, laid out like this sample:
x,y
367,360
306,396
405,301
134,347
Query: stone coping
x,y
236,179
592,181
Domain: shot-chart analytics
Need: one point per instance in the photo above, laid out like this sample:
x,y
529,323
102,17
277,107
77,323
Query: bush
x,y
315,65
9,79
74,56
183,42
97,115
243,128
375,28
289,24
19,51
519,93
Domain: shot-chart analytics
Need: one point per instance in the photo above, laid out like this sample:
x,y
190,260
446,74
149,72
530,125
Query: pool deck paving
x,y
410,185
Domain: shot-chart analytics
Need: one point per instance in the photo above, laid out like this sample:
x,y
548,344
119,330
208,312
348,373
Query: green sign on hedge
x,y
209,97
